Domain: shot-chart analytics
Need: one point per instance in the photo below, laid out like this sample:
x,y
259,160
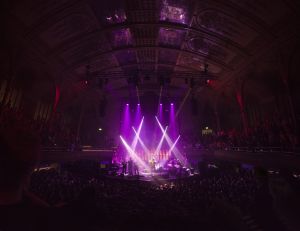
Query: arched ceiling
x,y
177,37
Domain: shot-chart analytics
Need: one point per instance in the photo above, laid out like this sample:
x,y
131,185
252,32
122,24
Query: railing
x,y
255,149
291,150
76,149
55,149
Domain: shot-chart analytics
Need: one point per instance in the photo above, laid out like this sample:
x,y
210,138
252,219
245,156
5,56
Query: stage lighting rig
x,y
87,77
161,80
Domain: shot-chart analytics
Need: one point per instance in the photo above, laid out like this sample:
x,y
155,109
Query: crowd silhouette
x,y
224,193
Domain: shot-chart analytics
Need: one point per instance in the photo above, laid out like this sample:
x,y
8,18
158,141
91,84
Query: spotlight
x,y
136,79
161,81
207,81
87,73
160,104
205,68
127,104
102,106
100,83
138,104
99,129
194,106
172,104
192,83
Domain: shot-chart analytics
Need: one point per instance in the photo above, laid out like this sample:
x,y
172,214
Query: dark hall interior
x,y
150,115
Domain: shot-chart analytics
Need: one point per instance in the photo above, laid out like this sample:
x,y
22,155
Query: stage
x,y
169,172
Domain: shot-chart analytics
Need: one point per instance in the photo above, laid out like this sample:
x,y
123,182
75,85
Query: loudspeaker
x,y
194,107
100,83
102,107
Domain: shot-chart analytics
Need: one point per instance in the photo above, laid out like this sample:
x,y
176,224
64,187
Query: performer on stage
x,y
124,167
152,164
135,169
130,167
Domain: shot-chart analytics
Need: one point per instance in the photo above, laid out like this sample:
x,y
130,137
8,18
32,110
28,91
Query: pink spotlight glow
x,y
172,104
133,155
135,140
171,149
176,152
174,144
161,142
127,104
146,150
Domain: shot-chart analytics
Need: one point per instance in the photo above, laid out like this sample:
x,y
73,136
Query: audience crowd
x,y
220,192
276,134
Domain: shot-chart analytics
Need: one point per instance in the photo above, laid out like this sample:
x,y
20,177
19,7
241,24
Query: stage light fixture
x,y
100,83
161,81
192,83
102,106
205,68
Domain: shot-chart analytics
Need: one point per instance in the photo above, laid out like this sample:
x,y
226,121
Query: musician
x,y
135,169
152,164
124,167
130,167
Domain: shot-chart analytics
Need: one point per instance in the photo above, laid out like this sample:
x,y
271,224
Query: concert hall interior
x,y
150,115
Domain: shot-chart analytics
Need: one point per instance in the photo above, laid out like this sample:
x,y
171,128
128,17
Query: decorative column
x,y
11,73
284,74
216,112
239,93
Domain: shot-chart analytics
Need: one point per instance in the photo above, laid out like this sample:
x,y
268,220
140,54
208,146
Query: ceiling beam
x,y
214,37
96,56
149,64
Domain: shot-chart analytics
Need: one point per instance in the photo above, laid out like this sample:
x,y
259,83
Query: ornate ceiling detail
x,y
209,48
73,25
152,35
225,25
